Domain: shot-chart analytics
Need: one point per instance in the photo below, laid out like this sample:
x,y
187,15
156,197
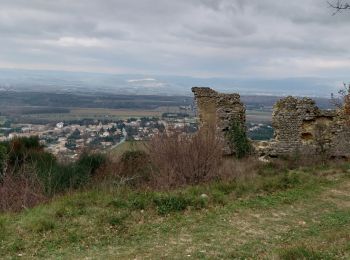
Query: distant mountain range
x,y
83,82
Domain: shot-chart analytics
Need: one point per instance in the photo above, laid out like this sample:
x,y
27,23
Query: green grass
x,y
128,146
300,214
2,119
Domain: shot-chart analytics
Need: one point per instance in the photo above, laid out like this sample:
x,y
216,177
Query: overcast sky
x,y
231,38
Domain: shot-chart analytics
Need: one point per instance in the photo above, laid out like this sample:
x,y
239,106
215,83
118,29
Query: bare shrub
x,y
19,191
135,167
179,159
240,169
31,175
3,160
132,168
297,160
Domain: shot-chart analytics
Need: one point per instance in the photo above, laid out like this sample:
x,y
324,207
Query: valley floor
x,y
310,221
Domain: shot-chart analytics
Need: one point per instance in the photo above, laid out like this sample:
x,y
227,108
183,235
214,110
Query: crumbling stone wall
x,y
300,126
294,121
206,99
219,110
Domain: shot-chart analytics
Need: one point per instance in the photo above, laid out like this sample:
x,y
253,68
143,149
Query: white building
x,y
60,125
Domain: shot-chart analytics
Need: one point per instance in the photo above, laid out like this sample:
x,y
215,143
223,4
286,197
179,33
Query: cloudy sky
x,y
205,38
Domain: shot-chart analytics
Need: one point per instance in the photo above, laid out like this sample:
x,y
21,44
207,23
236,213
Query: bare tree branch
x,y
343,96
339,6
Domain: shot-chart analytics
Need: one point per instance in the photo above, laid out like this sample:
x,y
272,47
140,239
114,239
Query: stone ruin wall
x,y
218,110
300,126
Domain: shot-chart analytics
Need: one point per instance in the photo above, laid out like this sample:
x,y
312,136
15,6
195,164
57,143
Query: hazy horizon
x,y
198,38
138,84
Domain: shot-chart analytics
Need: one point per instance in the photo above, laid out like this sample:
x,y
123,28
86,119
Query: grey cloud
x,y
200,37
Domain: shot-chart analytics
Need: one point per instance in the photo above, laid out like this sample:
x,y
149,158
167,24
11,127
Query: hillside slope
x,y
310,219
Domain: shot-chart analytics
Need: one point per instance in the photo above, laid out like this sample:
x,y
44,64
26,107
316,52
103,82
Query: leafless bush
x,y
19,191
169,161
179,159
240,169
306,159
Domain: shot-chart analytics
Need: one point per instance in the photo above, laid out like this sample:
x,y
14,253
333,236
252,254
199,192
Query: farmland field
x,y
127,146
32,107
258,116
36,115
87,113
116,114
97,113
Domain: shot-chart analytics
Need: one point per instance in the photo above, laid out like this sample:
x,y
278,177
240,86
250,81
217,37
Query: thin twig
x,y
338,6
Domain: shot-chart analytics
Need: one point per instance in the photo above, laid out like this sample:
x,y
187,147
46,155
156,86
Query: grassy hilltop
x,y
279,210
303,213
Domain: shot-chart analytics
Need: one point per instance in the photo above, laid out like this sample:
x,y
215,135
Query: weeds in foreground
x,y
179,160
32,176
302,252
98,219
168,162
